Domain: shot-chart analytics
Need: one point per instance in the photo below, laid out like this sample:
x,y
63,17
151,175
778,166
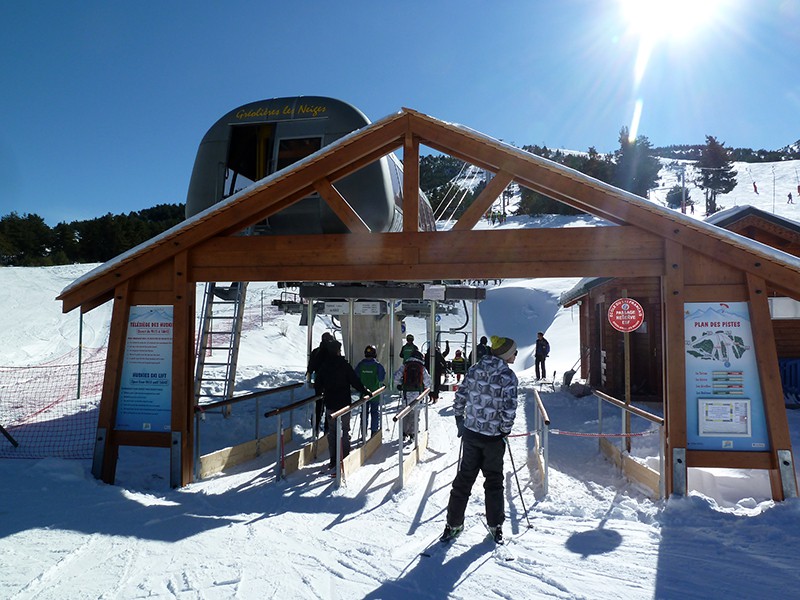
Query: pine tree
x,y
716,173
675,197
636,167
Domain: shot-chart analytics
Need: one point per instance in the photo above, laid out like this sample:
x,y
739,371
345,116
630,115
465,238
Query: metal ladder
x,y
220,331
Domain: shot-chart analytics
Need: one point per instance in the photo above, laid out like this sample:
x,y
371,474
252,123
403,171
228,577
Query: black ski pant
x,y
332,438
320,411
483,454
541,372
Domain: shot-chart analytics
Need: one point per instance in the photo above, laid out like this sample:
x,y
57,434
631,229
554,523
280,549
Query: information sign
x,y
625,315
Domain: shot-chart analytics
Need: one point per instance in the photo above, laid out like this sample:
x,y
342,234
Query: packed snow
x,y
246,534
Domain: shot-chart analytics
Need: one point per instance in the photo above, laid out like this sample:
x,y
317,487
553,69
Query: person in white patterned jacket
x,y
485,408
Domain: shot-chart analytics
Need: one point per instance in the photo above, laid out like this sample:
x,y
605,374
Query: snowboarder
x,y
372,375
485,407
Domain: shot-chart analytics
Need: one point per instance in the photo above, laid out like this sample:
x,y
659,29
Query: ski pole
x,y
519,487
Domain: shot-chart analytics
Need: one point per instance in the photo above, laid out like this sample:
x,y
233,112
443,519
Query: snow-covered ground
x,y
244,534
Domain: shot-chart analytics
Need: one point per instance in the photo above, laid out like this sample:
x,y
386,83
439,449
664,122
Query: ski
x,y
439,545
501,551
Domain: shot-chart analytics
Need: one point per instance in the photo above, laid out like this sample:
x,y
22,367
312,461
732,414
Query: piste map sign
x,y
625,315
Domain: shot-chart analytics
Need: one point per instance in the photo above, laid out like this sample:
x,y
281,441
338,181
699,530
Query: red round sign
x,y
625,315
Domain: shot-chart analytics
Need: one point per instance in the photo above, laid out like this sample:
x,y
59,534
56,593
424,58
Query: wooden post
x,y
105,457
672,292
771,388
182,369
626,341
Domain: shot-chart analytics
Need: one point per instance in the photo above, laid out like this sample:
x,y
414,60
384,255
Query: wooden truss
x,y
695,261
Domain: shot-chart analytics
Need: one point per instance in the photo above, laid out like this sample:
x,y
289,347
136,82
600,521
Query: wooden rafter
x,y
482,203
340,206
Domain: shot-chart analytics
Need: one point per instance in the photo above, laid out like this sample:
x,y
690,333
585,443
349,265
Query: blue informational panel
x,y
145,393
724,406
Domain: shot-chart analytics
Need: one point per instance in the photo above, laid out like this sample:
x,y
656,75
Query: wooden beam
x,y
713,293
410,183
340,206
480,205
713,459
590,251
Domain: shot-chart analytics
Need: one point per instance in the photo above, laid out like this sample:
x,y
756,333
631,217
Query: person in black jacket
x,y
334,379
314,361
481,350
441,368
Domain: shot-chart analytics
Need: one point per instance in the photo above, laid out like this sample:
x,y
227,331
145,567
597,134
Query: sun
x,y
660,20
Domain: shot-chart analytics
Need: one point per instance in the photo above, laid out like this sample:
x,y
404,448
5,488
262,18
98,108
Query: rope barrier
x,y
582,434
615,435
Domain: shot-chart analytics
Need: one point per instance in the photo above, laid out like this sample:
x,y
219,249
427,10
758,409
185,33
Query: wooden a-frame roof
x,y
210,249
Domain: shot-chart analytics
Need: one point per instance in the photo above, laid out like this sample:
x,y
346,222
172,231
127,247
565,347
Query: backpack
x,y
413,376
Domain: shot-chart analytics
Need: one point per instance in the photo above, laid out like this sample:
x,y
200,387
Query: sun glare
x,y
656,22
659,20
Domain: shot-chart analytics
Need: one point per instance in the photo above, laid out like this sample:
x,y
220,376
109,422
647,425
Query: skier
x,y
372,375
412,378
459,365
481,350
408,348
441,368
485,407
334,379
790,201
314,361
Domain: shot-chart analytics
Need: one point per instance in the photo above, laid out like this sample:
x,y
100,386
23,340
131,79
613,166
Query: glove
x,y
460,425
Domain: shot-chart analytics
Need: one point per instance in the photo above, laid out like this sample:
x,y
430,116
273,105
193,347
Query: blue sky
x,y
103,104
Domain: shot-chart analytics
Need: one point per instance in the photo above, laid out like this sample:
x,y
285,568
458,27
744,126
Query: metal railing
x,y
202,410
626,433
280,447
337,418
400,417
541,431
